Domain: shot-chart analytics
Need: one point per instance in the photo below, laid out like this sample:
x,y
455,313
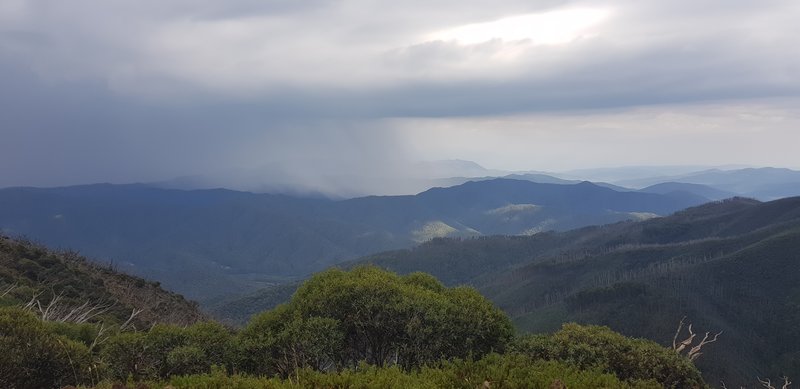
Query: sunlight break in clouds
x,y
548,28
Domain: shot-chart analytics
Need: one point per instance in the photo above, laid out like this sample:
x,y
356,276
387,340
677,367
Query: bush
x,y
214,341
168,350
281,340
125,355
84,333
158,343
32,357
183,360
595,347
385,318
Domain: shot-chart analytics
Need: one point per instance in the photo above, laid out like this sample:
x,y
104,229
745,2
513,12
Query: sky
x,y
339,92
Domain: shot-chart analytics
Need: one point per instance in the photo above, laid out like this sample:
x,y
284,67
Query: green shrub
x,y
168,350
386,318
32,357
281,340
84,333
595,347
183,360
214,341
158,343
125,355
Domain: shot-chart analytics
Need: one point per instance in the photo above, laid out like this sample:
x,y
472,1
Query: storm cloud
x,y
149,90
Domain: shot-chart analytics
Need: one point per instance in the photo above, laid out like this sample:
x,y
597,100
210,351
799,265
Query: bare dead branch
x,y
32,302
57,311
686,342
766,383
677,333
129,323
694,350
8,289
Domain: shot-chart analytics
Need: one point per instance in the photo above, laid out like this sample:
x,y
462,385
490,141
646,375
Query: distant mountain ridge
x,y
212,243
764,183
697,189
400,178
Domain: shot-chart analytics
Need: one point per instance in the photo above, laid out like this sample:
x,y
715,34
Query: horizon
x,y
145,91
634,178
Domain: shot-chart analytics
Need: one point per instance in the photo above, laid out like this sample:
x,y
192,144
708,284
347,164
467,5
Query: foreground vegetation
x,y
360,328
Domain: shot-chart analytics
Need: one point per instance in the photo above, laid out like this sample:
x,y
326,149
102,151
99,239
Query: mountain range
x,y
547,250
714,182
761,183
209,244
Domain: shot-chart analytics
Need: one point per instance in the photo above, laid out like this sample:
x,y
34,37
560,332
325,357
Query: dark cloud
x,y
147,90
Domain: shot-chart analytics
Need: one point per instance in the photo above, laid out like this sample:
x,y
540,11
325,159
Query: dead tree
x,y
768,384
57,311
694,351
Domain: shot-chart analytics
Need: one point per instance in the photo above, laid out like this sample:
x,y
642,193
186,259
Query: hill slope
x,y
30,271
209,244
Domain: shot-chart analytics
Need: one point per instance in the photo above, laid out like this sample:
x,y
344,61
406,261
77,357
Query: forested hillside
x,y
730,266
208,244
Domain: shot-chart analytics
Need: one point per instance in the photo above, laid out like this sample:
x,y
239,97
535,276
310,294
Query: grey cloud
x,y
703,48
94,91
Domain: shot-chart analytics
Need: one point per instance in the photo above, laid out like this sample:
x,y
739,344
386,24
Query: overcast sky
x,y
145,90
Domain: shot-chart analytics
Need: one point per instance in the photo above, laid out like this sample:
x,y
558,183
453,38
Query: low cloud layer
x,y
148,90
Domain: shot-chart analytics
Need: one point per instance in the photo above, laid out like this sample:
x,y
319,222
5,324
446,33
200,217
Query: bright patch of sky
x,y
547,28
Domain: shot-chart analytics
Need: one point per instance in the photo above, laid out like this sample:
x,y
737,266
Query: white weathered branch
x,y
8,290
57,311
766,383
694,350
129,323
